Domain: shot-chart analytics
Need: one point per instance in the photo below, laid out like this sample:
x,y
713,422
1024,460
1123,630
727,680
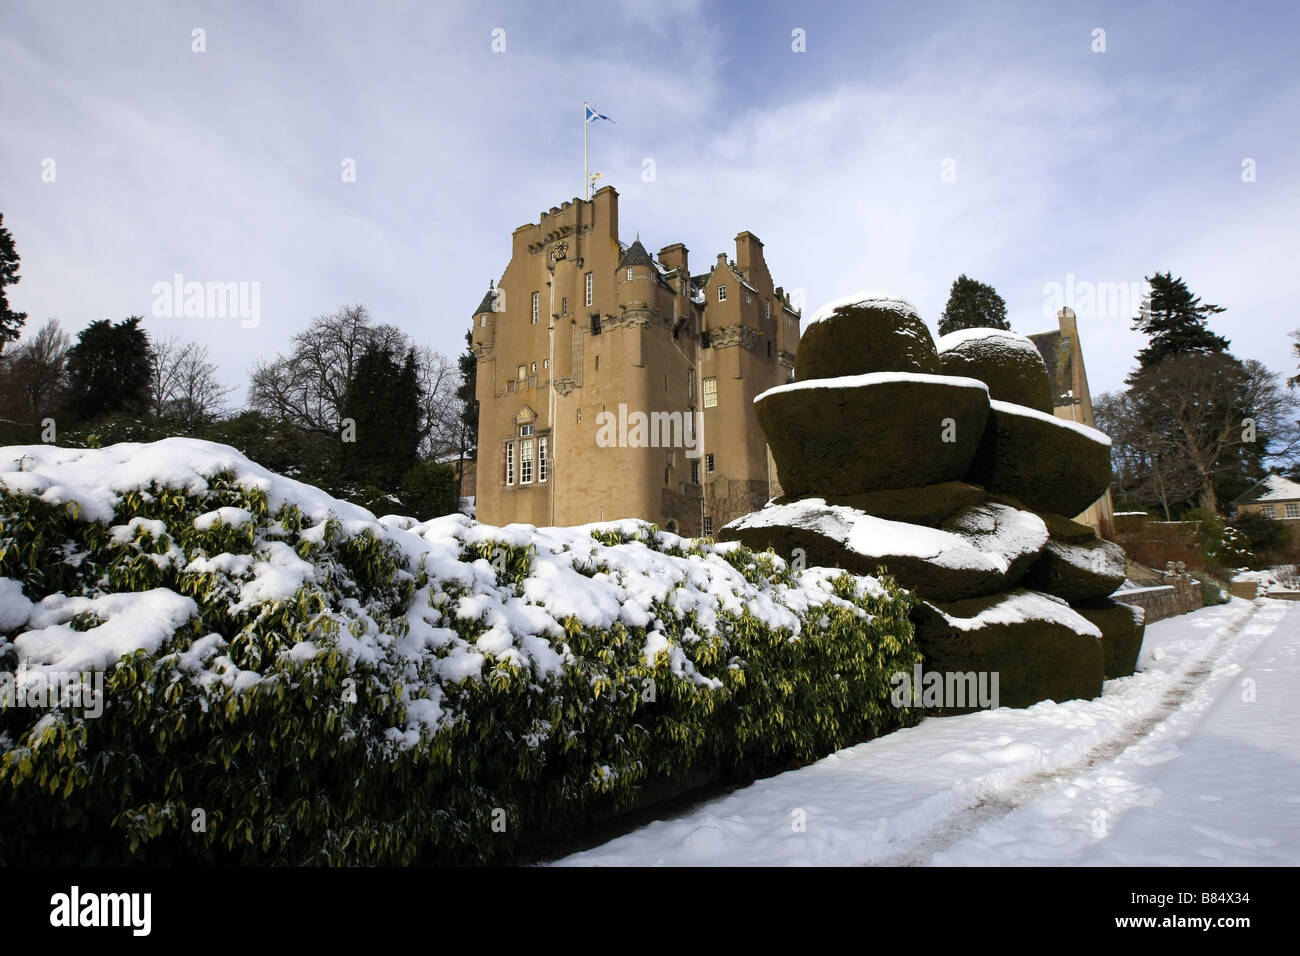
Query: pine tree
x,y
383,401
11,322
108,370
1174,319
468,363
973,305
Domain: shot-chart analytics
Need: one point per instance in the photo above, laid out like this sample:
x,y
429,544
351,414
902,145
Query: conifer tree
x,y
973,305
108,370
468,363
11,322
1174,320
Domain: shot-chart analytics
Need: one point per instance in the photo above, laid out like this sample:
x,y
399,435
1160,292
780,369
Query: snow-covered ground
x,y
1193,760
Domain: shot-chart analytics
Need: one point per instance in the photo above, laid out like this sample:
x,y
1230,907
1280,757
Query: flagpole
x,y
586,164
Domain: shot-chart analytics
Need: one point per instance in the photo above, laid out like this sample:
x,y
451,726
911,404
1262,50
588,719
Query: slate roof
x,y
1271,488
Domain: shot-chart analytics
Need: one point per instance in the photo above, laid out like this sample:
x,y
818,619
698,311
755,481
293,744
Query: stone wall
x,y
1164,600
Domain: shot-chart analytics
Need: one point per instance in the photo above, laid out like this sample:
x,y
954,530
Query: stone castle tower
x,y
614,384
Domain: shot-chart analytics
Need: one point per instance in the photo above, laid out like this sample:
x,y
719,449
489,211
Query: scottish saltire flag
x,y
592,116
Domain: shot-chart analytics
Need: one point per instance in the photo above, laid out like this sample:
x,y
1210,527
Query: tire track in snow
x,y
998,803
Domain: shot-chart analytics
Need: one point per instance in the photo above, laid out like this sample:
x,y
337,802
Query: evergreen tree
x,y
1174,319
11,322
383,401
468,363
108,370
973,305
1294,380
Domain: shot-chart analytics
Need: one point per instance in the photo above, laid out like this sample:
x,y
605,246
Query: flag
x,y
592,116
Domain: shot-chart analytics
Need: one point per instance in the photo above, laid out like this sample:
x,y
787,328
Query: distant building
x,y
1071,399
612,383
1273,497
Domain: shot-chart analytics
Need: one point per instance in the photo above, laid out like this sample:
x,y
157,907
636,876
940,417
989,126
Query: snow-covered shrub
x,y
287,679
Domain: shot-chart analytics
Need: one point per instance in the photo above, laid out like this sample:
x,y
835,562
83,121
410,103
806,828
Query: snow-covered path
x,y
1193,760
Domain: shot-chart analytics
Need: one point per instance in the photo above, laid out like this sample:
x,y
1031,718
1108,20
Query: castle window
x,y
1293,511
1266,510
537,306
595,325
767,309
667,474
710,393
708,463
686,288
526,462
597,363
522,373
708,524
588,280
510,463
564,306
769,348
546,363
580,415
525,430
722,293
746,297
695,472
705,340
690,384
482,321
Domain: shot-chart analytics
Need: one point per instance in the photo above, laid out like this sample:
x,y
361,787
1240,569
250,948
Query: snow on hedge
x,y
574,574
872,298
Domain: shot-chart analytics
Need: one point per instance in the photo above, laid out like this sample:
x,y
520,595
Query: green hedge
x,y
316,760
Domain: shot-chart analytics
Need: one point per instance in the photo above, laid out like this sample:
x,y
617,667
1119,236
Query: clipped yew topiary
x,y
872,432
1122,627
1009,363
1045,462
862,333
312,689
1038,646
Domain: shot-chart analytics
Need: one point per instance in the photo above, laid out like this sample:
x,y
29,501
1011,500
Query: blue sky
x,y
225,165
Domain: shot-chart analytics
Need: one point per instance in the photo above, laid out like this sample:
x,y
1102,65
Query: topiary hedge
x,y
340,691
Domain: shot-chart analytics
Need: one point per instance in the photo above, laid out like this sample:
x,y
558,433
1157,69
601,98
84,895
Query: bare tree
x,y
183,383
1215,405
32,375
1147,464
307,386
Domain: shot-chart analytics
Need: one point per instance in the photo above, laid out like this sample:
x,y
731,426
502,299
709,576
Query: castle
x,y
612,383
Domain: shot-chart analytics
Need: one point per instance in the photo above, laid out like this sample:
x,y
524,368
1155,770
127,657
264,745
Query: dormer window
x,y
722,293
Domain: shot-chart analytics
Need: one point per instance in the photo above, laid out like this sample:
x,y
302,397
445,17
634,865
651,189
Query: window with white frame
x,y
526,461
708,463
722,293
708,524
510,463
541,459
482,321
521,372
767,309
1266,510
1293,511
630,274
710,393
537,306
525,430
589,281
